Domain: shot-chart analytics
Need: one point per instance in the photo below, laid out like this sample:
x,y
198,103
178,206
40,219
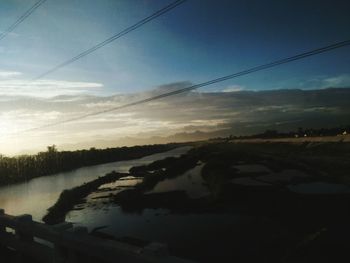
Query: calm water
x,y
191,182
35,196
195,236
183,233
97,213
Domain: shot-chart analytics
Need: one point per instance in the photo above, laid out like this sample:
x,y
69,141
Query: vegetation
x,y
292,226
301,227
161,170
301,132
166,168
317,160
71,197
312,227
25,167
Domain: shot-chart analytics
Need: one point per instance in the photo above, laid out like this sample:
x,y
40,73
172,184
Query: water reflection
x,y
35,196
122,182
191,182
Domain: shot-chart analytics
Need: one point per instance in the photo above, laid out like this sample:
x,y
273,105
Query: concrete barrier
x,y
65,243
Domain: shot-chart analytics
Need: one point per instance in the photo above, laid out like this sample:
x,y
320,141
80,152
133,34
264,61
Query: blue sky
x,y
196,42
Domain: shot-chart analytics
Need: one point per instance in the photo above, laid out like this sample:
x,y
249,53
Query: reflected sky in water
x,y
37,195
191,182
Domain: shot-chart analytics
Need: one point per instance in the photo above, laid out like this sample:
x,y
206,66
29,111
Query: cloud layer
x,y
209,113
11,84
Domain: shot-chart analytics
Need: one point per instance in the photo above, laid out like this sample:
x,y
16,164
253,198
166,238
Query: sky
x,y
195,42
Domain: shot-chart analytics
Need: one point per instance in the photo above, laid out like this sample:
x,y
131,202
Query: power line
x,y
114,37
21,19
207,83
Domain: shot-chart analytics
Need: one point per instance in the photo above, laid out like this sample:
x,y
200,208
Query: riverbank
x,y
25,167
293,199
69,198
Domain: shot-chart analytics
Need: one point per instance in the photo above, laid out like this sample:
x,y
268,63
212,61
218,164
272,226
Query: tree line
x,y
25,167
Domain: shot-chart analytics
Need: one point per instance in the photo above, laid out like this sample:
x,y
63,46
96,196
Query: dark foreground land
x,y
294,199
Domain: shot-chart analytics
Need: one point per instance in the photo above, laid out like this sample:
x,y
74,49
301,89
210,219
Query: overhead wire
x,y
113,38
203,84
21,19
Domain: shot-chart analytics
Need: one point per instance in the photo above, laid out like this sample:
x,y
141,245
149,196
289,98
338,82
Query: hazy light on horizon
x,y
184,46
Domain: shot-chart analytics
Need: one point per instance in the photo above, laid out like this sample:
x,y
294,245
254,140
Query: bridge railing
x,y
65,243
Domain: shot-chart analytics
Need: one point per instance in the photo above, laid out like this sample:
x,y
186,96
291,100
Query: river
x,y
37,195
206,237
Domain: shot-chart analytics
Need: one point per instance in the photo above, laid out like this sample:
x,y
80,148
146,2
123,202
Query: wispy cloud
x,y
317,82
233,88
341,80
9,74
11,85
237,112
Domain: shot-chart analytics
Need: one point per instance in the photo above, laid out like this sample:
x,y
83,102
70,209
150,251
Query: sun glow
x,y
7,126
9,139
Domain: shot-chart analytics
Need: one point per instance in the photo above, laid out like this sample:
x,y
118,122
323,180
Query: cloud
x,y
239,112
11,84
47,88
341,80
318,82
234,88
9,74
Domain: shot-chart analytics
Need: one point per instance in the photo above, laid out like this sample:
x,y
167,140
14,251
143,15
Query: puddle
x,y
191,181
